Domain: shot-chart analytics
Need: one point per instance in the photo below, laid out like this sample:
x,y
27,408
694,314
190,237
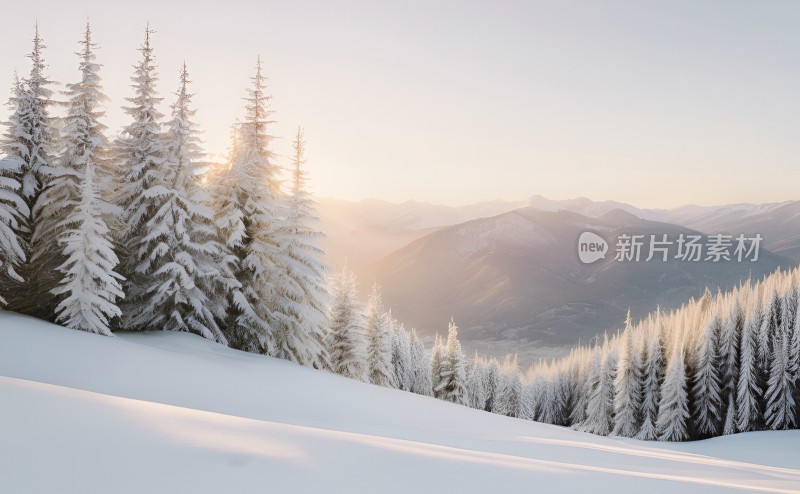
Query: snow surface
x,y
172,412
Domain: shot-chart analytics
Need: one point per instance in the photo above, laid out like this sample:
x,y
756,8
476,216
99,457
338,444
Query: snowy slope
x,y
166,412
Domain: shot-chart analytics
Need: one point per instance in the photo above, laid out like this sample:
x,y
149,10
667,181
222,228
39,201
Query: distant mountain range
x,y
509,273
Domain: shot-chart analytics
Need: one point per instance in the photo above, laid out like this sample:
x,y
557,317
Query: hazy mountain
x,y
778,223
364,231
514,282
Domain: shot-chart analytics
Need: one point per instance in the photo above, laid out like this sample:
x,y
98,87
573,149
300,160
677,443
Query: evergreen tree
x,y
249,218
31,148
420,367
651,384
706,387
346,339
180,268
509,394
729,357
379,344
301,328
452,374
780,406
90,287
599,409
402,372
476,393
492,384
14,211
627,386
748,392
140,155
438,381
673,410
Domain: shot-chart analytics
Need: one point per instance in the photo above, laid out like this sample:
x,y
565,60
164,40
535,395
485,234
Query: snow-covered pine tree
x,y
452,383
140,155
768,329
492,383
729,358
749,414
14,210
90,287
249,217
402,372
577,413
673,409
437,363
627,386
706,400
379,345
300,335
651,382
420,367
35,138
509,393
476,392
346,338
780,405
600,407
181,265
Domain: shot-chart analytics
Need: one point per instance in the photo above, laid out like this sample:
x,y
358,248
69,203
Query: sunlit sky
x,y
653,103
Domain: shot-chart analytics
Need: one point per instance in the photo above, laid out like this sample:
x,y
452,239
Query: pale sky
x,y
653,103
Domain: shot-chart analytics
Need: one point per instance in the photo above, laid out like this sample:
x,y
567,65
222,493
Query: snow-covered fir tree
x,y
90,287
706,385
673,410
402,372
451,385
437,361
651,378
140,156
379,344
30,145
248,205
476,378
181,268
600,406
781,406
300,335
628,385
749,414
420,367
346,338
509,397
729,358
14,210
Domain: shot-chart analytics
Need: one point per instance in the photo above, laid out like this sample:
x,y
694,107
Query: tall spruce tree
x,y
140,156
34,142
673,409
706,384
346,339
14,210
627,386
300,335
90,287
451,385
248,205
379,344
